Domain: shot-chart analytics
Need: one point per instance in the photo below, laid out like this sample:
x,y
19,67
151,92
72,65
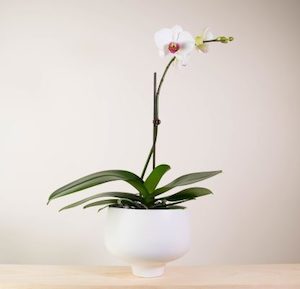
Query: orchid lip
x,y
173,47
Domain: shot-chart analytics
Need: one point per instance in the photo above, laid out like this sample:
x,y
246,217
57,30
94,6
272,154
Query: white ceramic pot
x,y
147,239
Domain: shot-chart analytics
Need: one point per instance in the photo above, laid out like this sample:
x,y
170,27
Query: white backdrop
x,y
76,97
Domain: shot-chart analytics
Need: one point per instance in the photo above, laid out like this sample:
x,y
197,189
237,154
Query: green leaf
x,y
174,207
103,208
100,178
111,202
102,202
173,204
155,176
187,194
103,195
186,180
170,207
135,204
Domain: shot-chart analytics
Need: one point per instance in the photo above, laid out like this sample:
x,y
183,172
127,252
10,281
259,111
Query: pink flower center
x,y
173,47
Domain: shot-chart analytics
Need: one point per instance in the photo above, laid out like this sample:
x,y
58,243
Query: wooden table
x,y
206,277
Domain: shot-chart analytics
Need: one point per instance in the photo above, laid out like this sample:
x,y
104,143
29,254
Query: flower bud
x,y
224,39
198,40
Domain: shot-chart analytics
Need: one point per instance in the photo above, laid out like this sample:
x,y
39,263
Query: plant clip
x,y
156,122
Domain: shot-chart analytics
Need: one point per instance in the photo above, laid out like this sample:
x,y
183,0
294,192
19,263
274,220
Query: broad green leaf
x,y
170,207
103,208
102,202
110,202
155,176
132,203
103,195
171,204
100,178
174,207
186,180
187,194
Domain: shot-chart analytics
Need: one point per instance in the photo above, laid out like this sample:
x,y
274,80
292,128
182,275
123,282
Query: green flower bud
x,y
224,39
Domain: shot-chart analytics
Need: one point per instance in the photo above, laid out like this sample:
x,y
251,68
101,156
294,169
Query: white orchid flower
x,y
175,42
205,36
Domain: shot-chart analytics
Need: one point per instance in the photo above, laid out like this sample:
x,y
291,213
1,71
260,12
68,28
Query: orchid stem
x,y
213,40
156,120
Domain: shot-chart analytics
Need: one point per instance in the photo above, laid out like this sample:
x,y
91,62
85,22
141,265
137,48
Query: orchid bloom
x,y
175,42
205,36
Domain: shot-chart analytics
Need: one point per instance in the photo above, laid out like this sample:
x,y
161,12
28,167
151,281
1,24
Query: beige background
x,y
76,97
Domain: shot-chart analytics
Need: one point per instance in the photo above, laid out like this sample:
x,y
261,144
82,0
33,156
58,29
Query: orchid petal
x,y
207,34
185,36
182,59
186,42
203,47
176,31
162,53
186,47
162,38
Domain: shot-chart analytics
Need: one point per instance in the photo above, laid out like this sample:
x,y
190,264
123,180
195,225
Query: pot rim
x,y
149,210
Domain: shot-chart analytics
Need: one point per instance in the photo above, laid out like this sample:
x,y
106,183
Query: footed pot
x,y
147,239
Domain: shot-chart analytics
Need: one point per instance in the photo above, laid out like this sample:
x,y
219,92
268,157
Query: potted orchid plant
x,y
149,227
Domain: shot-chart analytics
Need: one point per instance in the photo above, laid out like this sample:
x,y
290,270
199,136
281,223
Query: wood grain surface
x,y
203,277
